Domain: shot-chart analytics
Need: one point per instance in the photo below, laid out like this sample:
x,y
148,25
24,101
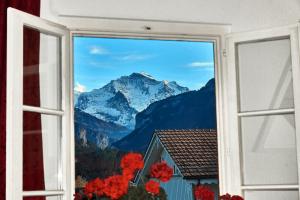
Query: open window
x,y
258,106
39,139
263,74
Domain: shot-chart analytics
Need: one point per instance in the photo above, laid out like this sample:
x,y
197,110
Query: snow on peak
x,y
140,75
146,75
121,99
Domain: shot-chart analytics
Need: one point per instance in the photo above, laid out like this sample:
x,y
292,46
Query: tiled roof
x,y
194,151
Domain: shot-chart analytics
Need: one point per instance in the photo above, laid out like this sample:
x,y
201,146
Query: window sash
x,y
233,140
17,20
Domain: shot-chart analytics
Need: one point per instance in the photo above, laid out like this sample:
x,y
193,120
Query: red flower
x,y
115,186
95,186
132,161
229,197
236,197
161,171
77,196
152,187
128,174
203,193
225,197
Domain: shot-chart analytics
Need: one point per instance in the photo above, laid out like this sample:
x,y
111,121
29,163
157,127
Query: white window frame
x,y
234,170
14,117
180,31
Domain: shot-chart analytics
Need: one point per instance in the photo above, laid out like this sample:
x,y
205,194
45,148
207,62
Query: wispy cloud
x,y
98,50
134,57
201,64
79,87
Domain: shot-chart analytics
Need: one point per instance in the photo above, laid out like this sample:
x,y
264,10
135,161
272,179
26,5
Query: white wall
x,y
242,14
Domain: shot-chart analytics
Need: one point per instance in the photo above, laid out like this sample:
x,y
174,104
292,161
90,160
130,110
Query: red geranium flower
x,y
152,187
115,186
236,197
161,171
77,196
128,174
203,193
225,197
132,161
95,186
229,197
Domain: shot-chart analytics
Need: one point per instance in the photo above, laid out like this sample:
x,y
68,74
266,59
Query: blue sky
x,y
97,61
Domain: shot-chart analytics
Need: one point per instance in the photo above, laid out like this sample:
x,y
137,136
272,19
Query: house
x,y
193,156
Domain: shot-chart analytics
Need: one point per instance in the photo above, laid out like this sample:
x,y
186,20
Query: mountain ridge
x,y
120,100
190,110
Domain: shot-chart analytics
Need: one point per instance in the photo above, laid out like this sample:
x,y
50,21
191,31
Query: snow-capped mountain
x,y
120,100
191,110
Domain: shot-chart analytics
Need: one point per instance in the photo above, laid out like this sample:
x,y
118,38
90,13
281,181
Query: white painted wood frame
x,y
233,139
180,32
14,144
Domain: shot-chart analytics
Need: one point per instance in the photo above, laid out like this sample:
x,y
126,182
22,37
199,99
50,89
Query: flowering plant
x,y
161,171
117,186
205,193
229,197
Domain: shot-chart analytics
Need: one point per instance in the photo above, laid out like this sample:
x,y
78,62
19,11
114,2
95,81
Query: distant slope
x,y
91,130
195,109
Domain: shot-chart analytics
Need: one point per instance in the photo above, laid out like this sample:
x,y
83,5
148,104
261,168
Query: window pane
x,y
265,75
43,198
41,152
269,150
42,70
272,194
168,85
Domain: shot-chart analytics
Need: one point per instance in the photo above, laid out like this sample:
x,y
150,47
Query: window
x,y
257,120
264,74
38,110
128,91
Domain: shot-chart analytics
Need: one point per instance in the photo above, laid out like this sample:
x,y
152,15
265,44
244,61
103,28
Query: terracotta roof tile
x,y
194,151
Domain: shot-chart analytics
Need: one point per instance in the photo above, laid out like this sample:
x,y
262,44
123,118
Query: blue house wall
x,y
179,188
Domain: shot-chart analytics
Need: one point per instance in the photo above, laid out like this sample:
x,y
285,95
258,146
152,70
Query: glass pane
x,y
258,60
269,150
41,152
42,70
43,198
272,194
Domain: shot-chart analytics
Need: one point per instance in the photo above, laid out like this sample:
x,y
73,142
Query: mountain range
x,y
190,110
122,99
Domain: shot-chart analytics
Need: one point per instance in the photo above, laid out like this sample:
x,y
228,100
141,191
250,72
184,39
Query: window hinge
x,y
224,52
